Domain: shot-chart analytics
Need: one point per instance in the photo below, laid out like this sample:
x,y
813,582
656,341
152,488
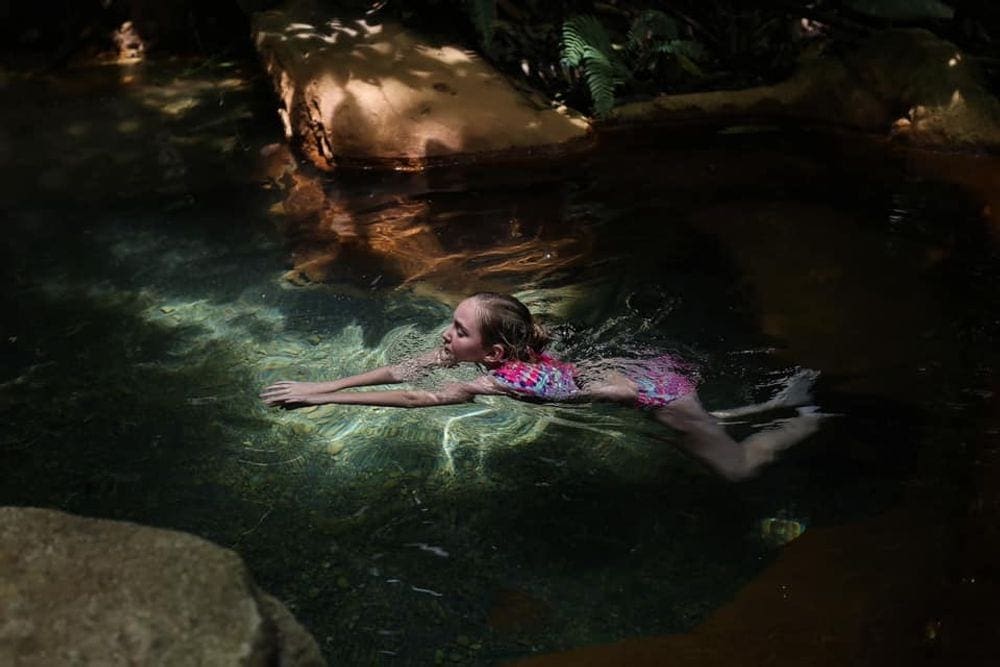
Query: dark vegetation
x,y
594,54
588,54
62,31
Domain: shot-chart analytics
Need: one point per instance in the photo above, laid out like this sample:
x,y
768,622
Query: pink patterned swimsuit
x,y
661,380
658,381
547,379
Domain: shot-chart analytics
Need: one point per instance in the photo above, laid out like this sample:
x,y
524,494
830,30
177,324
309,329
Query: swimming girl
x,y
499,333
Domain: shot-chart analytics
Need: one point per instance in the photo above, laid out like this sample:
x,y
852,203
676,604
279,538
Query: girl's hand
x,y
287,392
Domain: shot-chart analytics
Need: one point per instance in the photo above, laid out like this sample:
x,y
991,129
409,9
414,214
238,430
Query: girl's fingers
x,y
275,395
278,393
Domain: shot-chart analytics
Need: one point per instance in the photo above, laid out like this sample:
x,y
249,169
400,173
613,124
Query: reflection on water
x,y
139,329
411,239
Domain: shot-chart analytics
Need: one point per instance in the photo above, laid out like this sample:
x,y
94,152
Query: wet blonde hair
x,y
505,320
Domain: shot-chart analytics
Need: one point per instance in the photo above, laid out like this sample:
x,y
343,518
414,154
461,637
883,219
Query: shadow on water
x,y
138,331
106,419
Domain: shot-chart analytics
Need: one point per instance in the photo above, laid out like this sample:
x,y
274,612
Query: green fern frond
x,y
586,44
483,14
580,33
601,76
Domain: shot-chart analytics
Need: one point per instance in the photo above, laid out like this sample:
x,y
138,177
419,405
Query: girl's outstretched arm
x,y
286,392
462,392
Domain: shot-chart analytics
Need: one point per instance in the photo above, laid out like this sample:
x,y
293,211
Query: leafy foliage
x,y
651,25
587,45
653,44
902,10
483,14
755,39
579,51
655,37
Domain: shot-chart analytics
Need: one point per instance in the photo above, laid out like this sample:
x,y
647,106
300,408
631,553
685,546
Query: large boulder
x,y
89,591
354,92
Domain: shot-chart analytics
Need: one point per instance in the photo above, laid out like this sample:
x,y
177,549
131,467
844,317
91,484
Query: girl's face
x,y
463,339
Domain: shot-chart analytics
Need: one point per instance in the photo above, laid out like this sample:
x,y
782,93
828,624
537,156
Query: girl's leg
x,y
704,439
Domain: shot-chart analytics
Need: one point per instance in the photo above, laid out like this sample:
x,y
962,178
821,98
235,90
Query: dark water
x,y
144,307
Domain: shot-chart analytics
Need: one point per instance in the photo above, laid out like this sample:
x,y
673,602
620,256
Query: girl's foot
x,y
798,390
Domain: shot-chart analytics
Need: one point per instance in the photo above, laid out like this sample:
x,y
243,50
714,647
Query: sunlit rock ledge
x,y
354,92
88,591
909,85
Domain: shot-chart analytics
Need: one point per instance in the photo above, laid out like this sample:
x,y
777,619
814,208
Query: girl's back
x,y
648,383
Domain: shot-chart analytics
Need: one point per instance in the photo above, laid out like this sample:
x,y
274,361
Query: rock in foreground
x,y
89,591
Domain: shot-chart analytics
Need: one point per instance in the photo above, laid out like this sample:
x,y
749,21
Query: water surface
x,y
147,300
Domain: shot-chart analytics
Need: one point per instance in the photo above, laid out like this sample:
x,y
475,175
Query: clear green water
x,y
144,309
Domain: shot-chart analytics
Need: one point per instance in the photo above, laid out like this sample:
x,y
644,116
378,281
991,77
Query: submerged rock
x,y
92,591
